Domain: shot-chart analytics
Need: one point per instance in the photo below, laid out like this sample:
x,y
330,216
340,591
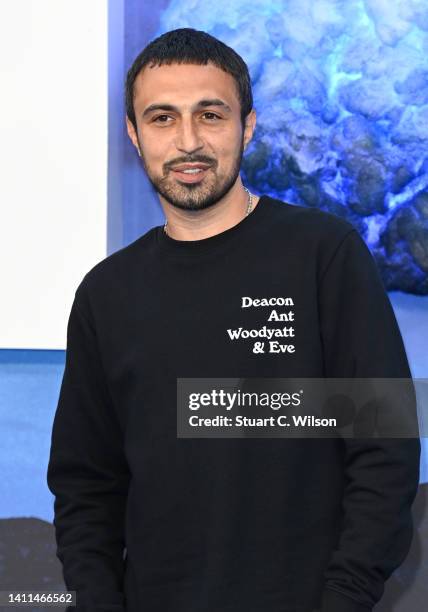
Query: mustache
x,y
203,159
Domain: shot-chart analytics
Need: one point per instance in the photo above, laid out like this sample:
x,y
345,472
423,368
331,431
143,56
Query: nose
x,y
188,139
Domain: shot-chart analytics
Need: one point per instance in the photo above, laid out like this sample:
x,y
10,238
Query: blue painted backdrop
x,y
341,92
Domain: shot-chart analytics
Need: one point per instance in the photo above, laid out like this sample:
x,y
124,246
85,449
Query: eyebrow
x,y
200,104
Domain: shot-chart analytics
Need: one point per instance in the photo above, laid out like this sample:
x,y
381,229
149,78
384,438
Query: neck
x,y
200,224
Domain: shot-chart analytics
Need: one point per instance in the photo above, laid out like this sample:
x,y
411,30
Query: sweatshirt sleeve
x,y
88,474
361,339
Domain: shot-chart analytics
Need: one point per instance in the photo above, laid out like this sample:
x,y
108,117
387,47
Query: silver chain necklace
x,y
249,208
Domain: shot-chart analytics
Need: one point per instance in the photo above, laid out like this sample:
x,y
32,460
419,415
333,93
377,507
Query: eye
x,y
212,116
161,117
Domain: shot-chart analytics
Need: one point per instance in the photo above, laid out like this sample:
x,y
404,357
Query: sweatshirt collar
x,y
190,247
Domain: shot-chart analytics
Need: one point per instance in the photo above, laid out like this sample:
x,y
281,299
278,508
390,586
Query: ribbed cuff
x,y
333,601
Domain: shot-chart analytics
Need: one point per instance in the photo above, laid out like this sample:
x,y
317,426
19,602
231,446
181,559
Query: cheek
x,y
154,150
229,143
229,151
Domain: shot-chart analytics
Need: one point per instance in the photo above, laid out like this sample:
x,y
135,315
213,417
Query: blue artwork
x,y
341,93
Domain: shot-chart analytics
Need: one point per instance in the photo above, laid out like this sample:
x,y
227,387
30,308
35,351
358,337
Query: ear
x,y
250,124
132,133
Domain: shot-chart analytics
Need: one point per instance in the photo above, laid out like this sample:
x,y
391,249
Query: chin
x,y
190,204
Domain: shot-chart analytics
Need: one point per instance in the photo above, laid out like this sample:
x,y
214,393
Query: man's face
x,y
189,132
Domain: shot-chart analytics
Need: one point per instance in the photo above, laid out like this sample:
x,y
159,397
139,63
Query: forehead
x,y
184,84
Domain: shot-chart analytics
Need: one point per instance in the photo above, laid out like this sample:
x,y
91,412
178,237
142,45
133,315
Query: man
x,y
149,520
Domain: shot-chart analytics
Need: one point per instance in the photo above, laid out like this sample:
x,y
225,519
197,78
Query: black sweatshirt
x,y
147,521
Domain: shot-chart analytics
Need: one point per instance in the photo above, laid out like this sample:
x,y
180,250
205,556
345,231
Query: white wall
x,y
53,162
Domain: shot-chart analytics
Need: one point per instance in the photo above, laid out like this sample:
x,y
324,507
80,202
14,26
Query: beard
x,y
195,196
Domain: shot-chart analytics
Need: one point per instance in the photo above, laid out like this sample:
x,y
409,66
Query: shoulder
x,y
312,235
311,223
111,274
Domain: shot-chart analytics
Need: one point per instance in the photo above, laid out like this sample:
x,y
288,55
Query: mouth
x,y
190,173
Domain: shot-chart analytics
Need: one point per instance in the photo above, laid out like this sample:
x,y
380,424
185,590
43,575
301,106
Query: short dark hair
x,y
189,46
